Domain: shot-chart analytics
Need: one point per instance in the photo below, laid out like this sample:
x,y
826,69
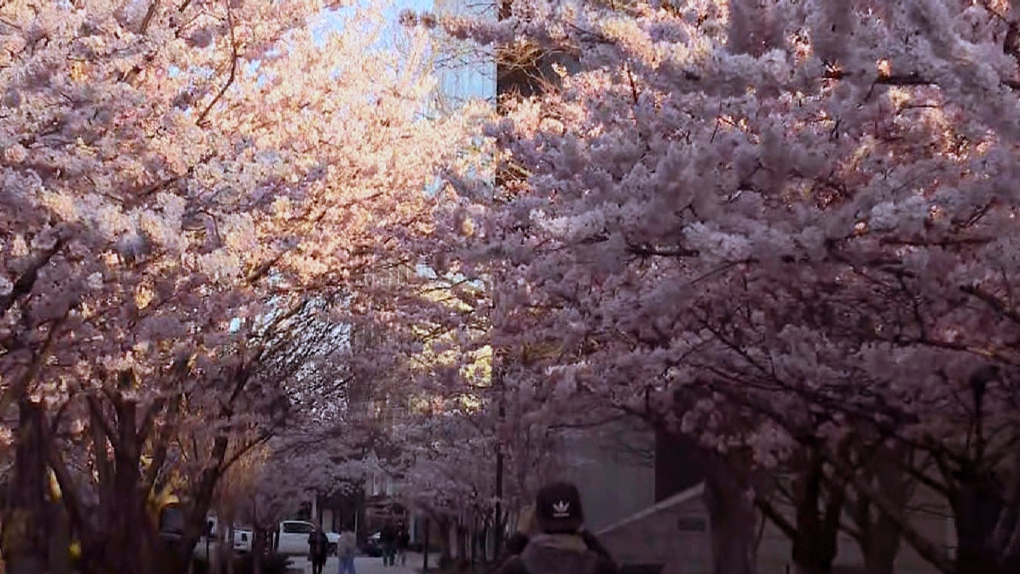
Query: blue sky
x,y
333,20
474,80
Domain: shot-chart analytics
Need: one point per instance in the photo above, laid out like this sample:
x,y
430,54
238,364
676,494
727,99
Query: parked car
x,y
334,542
243,538
373,546
292,538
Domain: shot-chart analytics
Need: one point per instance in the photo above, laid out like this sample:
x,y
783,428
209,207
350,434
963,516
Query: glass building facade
x,y
465,72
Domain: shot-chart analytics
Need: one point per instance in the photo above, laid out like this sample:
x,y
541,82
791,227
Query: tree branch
x,y
72,502
149,15
769,511
992,302
161,443
24,284
17,389
203,118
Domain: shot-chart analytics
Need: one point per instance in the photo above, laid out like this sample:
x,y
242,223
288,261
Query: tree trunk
x,y
976,509
122,519
131,529
60,541
25,541
483,539
883,537
877,535
884,546
201,499
816,543
474,540
462,541
445,550
258,548
228,546
729,500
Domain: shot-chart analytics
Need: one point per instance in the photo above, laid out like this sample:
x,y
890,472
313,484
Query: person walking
x,y
403,540
318,545
346,548
388,540
526,528
560,545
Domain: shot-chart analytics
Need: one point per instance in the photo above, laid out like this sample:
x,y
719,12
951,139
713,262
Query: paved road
x,y
366,565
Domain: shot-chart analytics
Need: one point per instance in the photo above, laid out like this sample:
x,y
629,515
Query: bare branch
x,y
203,118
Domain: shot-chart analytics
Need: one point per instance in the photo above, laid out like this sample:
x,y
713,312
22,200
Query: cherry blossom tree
x,y
177,178
449,463
448,433
781,226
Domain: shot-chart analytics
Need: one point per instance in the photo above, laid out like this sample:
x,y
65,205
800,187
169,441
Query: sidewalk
x,y
364,565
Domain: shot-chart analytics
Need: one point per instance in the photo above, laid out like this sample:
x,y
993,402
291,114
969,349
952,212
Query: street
x,y
365,565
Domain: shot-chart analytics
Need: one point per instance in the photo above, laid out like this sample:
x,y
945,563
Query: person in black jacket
x,y
526,527
561,545
318,544
403,541
388,541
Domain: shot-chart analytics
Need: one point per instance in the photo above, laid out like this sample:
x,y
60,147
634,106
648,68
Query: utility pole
x,y
498,543
425,546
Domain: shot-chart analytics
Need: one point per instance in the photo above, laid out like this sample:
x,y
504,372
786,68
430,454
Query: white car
x,y
243,538
209,541
292,539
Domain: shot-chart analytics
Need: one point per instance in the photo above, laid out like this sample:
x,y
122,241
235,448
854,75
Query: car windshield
x,y
298,528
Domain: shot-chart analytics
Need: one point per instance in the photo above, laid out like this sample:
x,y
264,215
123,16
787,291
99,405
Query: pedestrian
x,y
403,540
388,540
346,547
559,545
318,545
526,528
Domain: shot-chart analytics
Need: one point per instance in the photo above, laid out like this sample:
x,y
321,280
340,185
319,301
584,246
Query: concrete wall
x,y
673,533
607,466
